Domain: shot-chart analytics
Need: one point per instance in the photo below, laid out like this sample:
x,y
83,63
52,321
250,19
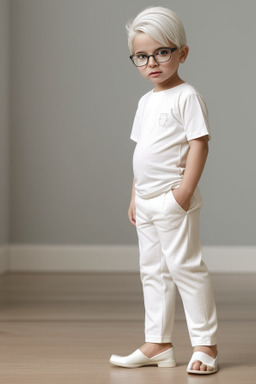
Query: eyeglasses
x,y
161,56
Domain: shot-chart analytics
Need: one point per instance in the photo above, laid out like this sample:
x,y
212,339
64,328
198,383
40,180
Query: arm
x,y
132,210
195,163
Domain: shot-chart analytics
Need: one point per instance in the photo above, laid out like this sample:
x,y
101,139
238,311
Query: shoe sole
x,y
163,364
195,372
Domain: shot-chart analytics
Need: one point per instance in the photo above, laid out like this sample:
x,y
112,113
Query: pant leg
x,y
178,232
159,289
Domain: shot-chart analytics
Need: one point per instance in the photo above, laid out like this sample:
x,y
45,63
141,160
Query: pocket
x,y
193,203
176,203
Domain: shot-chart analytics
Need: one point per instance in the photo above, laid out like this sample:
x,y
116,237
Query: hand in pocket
x,y
181,198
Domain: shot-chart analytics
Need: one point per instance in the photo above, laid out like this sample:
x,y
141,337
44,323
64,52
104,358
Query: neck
x,y
170,83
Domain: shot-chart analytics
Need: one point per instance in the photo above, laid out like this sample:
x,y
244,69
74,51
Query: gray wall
x,y
4,122
73,98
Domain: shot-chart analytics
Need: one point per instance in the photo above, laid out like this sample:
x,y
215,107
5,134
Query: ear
x,y
183,53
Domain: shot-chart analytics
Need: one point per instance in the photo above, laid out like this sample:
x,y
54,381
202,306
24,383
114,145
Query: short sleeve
x,y
195,117
136,127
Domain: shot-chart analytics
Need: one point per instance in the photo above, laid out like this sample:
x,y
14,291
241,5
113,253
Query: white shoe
x,y
138,359
212,364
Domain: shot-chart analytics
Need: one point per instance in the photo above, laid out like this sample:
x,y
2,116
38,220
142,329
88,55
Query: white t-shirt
x,y
164,124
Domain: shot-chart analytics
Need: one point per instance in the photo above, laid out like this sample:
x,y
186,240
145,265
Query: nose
x,y
152,62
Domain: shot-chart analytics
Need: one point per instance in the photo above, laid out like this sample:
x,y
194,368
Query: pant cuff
x,y
158,339
195,341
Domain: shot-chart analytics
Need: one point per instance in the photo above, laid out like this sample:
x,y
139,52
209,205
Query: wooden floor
x,y
62,328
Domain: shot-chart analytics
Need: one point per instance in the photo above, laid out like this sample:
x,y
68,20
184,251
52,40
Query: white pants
x,y
170,257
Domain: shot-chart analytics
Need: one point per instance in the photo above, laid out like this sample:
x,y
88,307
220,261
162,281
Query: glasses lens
x,y
163,55
139,60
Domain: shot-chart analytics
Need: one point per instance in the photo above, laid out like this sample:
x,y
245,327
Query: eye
x,y
163,52
141,56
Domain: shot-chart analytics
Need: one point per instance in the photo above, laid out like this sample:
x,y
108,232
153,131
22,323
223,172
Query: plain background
x,y
68,96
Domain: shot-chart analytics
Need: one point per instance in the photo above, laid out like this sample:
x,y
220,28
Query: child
x,y
171,131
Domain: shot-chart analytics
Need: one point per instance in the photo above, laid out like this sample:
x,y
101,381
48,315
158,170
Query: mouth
x,y
155,73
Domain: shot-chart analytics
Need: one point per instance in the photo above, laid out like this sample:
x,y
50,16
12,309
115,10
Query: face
x,y
163,75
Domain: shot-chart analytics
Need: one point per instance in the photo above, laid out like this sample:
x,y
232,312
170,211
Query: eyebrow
x,y
157,49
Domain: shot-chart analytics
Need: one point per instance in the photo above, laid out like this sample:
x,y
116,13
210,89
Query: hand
x,y
132,213
182,198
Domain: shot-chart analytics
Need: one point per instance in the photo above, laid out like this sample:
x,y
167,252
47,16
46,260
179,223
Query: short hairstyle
x,y
161,24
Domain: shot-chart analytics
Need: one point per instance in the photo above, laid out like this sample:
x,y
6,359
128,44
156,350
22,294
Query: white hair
x,y
161,24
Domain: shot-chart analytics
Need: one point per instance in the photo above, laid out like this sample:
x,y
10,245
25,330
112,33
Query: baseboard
x,y
75,258
4,259
99,258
